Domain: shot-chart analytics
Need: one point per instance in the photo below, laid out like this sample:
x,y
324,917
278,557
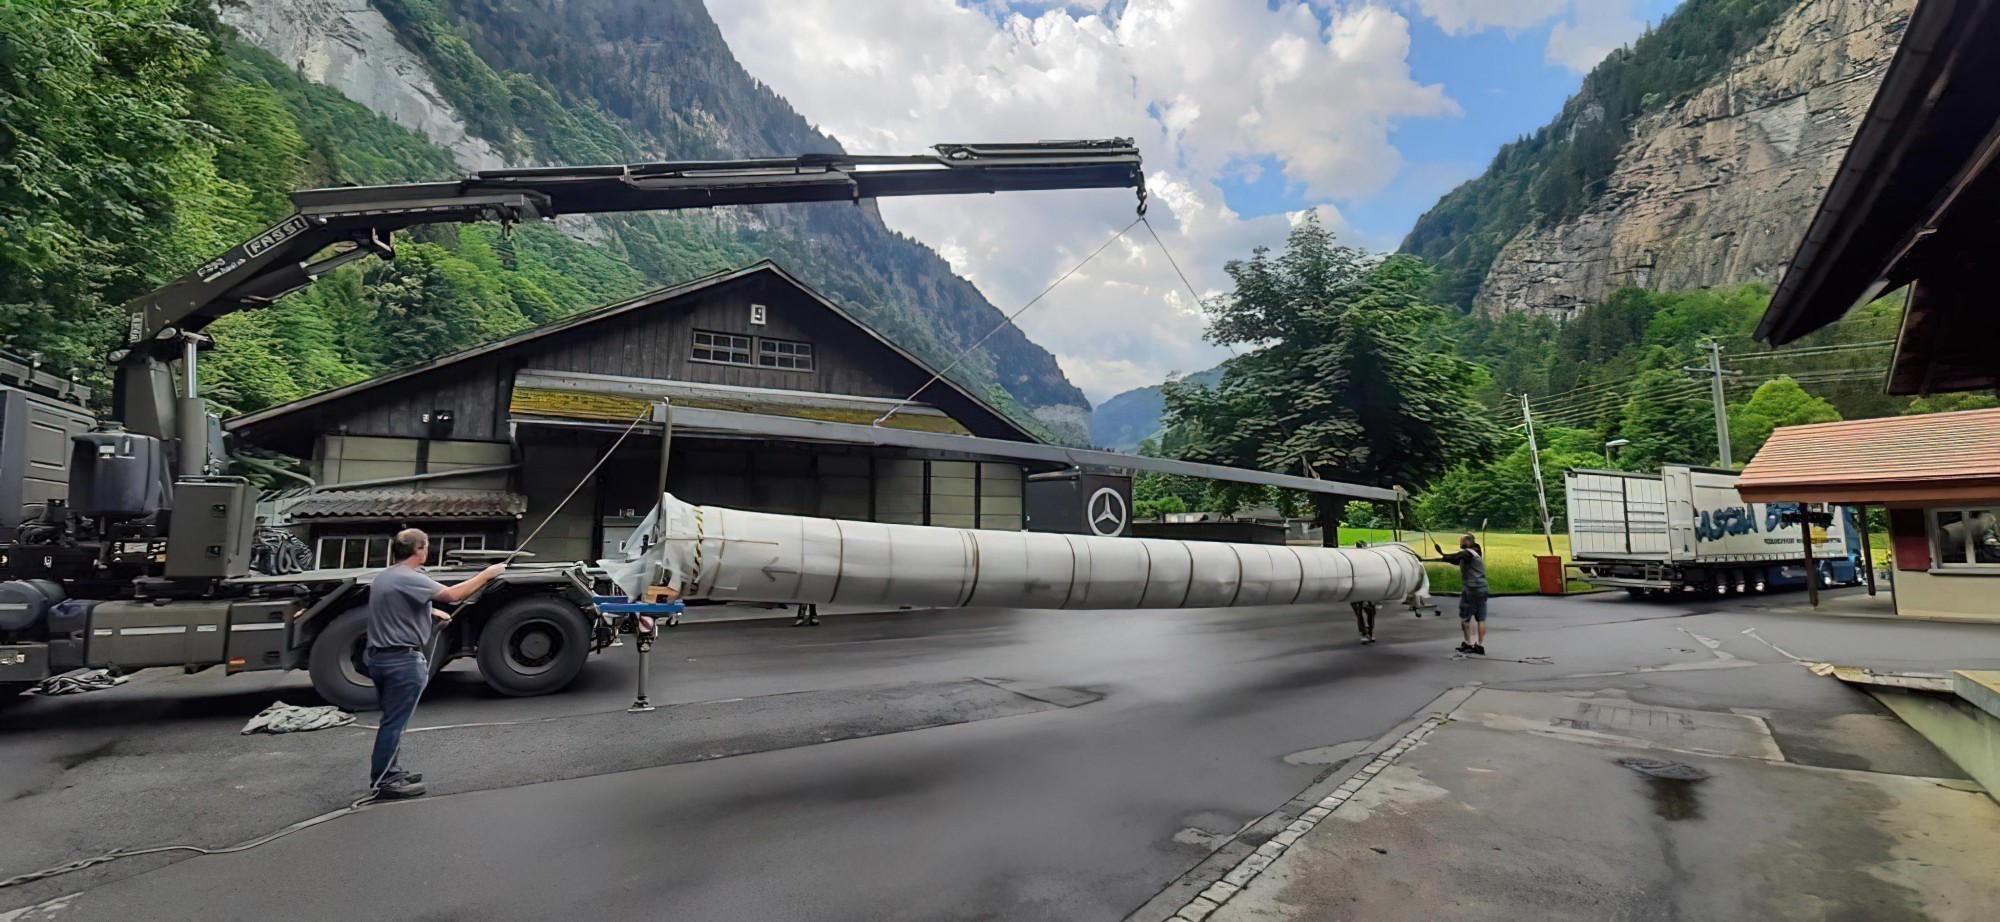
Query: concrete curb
x,y
1224,872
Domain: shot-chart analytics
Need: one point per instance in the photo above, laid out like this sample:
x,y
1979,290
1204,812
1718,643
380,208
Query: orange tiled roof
x,y
1898,458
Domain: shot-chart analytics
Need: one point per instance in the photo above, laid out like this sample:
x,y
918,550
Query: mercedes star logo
x,y
1107,512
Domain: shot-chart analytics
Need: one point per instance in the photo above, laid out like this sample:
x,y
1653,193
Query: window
x,y
442,543
343,552
1966,537
726,348
783,353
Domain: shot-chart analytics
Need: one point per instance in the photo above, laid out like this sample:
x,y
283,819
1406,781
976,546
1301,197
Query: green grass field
x,y
1510,558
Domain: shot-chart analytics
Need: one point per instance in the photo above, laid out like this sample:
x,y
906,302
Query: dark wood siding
x,y
649,341
659,343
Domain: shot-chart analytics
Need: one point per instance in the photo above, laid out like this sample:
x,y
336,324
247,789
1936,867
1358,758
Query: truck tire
x,y
533,646
338,673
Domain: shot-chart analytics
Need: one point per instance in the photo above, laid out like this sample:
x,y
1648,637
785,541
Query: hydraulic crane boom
x,y
356,222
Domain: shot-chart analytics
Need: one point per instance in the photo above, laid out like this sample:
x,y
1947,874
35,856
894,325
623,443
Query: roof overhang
x,y
1938,459
1913,204
697,420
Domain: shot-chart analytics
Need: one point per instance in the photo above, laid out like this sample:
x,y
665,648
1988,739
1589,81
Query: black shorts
x,y
1472,607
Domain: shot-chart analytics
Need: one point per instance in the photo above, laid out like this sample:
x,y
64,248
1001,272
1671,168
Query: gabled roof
x,y
640,302
1936,456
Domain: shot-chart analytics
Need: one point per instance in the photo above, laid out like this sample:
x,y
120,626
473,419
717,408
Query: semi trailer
x,y
128,545
1686,529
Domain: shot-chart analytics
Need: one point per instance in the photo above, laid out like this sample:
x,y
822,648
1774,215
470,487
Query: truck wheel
x,y
533,646
338,673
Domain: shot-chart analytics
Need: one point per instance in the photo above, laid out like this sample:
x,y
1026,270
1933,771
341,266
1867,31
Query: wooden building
x,y
1937,475
479,446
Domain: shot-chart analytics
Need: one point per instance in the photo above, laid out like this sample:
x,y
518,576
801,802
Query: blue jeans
x,y
399,681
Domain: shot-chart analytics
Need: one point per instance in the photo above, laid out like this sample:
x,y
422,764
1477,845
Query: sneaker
x,y
1465,648
1479,650
1368,639
400,789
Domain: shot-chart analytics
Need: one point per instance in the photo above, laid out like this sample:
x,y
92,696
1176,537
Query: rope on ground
x,y
1530,660
291,718
108,857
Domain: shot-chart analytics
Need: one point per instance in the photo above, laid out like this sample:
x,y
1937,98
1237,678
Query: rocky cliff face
x,y
1718,188
348,45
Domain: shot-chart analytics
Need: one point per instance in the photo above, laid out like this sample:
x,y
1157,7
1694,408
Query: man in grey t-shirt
x,y
400,626
1471,563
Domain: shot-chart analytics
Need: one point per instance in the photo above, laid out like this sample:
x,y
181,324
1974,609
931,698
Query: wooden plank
x,y
550,403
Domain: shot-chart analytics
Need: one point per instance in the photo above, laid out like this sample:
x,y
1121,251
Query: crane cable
x,y
1009,319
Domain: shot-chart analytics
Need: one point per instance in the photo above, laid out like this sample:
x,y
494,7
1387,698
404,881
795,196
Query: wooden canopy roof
x,y
1933,458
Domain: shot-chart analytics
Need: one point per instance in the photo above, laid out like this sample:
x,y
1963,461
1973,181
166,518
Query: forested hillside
x,y
1125,421
143,137
1557,172
1356,374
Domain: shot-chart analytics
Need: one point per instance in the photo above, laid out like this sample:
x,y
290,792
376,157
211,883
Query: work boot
x,y
1479,649
399,789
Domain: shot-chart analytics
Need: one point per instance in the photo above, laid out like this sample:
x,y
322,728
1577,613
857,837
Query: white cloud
x,y
1595,31
1463,17
1211,89
1584,32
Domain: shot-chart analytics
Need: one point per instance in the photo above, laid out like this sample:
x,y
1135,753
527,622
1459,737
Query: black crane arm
x,y
357,222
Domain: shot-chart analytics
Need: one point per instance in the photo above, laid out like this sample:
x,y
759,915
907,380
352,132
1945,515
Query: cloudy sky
x,y
1248,112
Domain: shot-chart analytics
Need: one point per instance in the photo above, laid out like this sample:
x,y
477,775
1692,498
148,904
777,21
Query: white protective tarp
x,y
708,552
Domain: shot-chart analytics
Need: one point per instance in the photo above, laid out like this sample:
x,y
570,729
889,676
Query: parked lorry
x,y
129,545
1686,529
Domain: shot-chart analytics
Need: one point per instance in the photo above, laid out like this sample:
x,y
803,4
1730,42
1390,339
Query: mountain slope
x,y
565,81
1730,110
1124,421
1717,189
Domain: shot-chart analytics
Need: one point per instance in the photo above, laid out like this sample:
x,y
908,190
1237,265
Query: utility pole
x,y
1541,492
1715,371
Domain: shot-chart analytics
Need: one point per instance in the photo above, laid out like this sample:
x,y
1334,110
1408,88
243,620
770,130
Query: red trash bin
x,y
1550,568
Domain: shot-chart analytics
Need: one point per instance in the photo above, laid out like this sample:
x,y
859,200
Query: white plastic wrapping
x,y
709,552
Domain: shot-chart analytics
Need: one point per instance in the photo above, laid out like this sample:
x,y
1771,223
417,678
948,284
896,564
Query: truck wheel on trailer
x,y
336,665
533,646
338,670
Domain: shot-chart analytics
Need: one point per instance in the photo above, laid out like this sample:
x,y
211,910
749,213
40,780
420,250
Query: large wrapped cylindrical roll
x,y
710,552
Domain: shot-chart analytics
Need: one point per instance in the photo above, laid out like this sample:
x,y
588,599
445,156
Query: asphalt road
x,y
918,765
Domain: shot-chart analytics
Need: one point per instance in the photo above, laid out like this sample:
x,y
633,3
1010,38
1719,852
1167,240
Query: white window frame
x,y
717,343
345,542
1935,532
773,353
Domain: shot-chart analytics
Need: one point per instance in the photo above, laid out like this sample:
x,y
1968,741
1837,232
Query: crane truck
x,y
147,560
